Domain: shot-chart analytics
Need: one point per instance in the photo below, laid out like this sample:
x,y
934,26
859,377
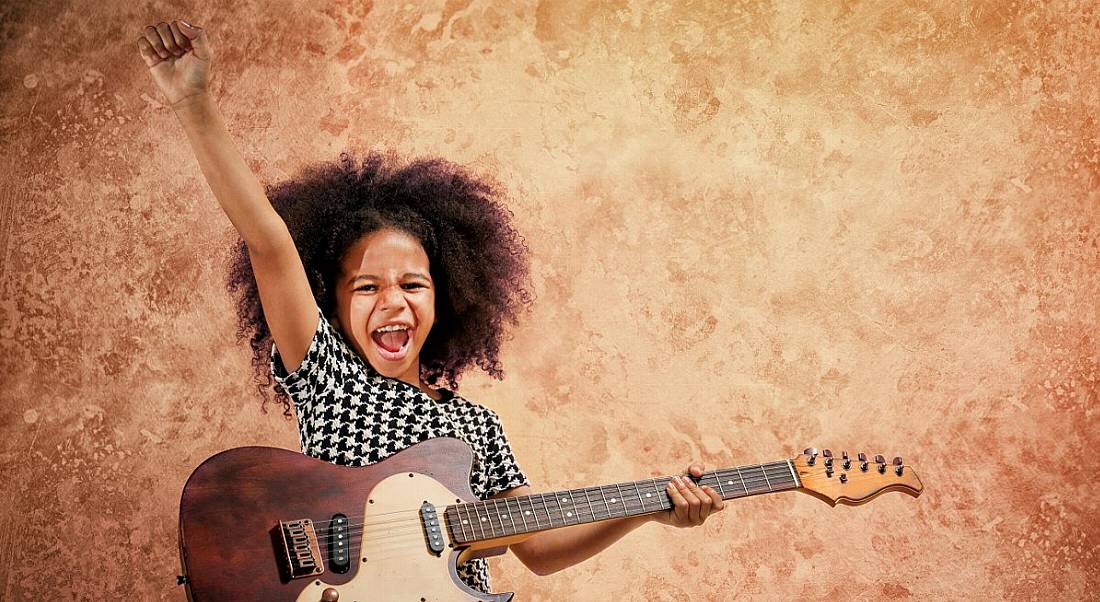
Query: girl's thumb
x,y
197,35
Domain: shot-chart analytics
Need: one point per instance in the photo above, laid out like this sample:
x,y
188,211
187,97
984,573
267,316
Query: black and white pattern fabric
x,y
351,415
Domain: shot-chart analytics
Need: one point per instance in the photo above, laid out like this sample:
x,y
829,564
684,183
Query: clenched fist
x,y
178,57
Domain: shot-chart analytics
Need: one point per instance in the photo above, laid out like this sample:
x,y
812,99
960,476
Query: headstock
x,y
851,482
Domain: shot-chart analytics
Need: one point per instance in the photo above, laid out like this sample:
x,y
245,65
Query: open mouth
x,y
392,342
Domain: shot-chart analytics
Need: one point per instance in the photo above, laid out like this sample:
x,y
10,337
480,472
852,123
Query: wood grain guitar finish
x,y
259,523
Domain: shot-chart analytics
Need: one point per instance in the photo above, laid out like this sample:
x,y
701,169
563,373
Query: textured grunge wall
x,y
756,227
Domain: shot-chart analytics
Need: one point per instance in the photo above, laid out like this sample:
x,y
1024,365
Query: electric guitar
x,y
260,523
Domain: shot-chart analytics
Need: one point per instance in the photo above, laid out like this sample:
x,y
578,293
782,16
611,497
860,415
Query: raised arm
x,y
179,59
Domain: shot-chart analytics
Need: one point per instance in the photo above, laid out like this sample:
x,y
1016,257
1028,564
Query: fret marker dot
x,y
506,516
649,495
565,500
569,514
729,482
483,520
528,513
612,500
465,522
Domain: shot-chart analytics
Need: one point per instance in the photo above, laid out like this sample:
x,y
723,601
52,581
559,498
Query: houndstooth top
x,y
351,415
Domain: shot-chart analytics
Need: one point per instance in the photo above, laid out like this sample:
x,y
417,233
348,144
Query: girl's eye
x,y
371,287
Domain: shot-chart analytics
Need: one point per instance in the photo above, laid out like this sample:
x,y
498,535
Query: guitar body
x,y
235,505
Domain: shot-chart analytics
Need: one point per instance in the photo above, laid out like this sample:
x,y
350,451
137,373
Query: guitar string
x,y
628,488
539,501
543,506
415,540
547,508
780,470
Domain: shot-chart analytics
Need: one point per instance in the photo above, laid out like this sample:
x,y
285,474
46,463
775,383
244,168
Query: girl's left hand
x,y
692,504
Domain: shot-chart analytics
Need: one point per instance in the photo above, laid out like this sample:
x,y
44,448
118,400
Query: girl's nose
x,y
392,296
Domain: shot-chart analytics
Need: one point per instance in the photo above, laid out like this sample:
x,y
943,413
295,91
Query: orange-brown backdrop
x,y
756,227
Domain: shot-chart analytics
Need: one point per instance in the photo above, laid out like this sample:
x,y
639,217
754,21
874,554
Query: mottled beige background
x,y
756,227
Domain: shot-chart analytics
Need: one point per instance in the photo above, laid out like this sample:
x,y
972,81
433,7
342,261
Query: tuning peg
x,y
828,455
881,463
898,466
862,461
812,453
847,462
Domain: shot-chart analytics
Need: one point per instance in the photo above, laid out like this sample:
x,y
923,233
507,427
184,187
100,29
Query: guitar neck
x,y
499,518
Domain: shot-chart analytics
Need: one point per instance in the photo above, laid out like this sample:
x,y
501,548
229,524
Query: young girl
x,y
367,288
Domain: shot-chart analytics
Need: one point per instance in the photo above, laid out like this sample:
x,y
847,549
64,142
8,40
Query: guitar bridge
x,y
301,554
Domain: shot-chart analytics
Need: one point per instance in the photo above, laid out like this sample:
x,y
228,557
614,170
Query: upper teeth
x,y
391,328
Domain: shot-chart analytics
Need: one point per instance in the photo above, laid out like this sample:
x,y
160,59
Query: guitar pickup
x,y
339,559
430,520
301,555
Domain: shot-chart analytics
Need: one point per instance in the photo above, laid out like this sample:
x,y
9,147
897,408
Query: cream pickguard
x,y
393,562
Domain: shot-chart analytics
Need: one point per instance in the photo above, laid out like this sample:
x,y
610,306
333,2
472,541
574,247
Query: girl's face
x,y
385,284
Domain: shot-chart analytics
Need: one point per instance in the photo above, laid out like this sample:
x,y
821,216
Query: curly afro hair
x,y
479,262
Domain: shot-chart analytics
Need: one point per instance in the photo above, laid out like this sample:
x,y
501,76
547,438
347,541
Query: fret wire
x,y
520,510
501,516
534,513
718,479
589,500
557,500
486,520
640,500
476,520
461,526
619,492
533,506
487,506
542,504
469,520
482,521
742,477
554,498
659,500
765,473
511,519
473,522
559,509
603,496
496,509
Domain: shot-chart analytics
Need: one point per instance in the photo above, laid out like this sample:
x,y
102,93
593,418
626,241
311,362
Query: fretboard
x,y
496,518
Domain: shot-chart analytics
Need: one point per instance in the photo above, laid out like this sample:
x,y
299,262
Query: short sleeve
x,y
319,369
501,470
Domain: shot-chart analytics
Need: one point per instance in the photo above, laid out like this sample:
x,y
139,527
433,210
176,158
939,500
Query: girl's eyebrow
x,y
373,277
